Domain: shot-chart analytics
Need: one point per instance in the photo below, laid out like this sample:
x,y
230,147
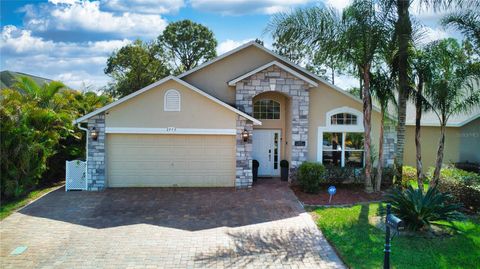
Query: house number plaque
x,y
300,143
171,129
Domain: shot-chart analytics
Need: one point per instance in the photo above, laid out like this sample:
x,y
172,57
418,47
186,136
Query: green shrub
x,y
335,174
419,210
310,176
409,174
387,176
463,185
455,174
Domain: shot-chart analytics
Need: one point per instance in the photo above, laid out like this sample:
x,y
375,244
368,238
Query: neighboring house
x,y
462,139
205,126
8,78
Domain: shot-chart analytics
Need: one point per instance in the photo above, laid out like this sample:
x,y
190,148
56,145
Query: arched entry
x,y
277,78
271,138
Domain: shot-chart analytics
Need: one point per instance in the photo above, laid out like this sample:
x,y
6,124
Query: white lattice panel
x,y
76,175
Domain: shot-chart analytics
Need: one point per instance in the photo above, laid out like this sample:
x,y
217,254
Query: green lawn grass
x,y
361,245
9,207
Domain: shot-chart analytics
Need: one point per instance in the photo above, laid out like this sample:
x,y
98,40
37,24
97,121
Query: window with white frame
x,y
266,110
342,149
343,119
171,101
341,140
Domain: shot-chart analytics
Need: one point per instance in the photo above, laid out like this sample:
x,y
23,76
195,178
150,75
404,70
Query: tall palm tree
x,y
422,73
356,37
382,90
453,89
403,30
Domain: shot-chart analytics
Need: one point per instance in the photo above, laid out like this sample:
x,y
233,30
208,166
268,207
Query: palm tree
x,y
382,90
43,95
453,89
403,30
356,37
422,73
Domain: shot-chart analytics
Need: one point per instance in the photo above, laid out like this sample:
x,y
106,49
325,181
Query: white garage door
x,y
140,160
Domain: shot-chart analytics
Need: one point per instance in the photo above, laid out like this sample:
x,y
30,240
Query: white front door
x,y
266,150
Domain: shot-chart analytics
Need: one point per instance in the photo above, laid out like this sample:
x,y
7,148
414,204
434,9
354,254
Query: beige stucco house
x,y
205,126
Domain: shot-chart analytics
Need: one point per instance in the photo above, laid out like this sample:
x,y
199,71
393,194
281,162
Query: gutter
x,y
86,153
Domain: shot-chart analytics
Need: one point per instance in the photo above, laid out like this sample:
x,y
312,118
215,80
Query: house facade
x,y
204,128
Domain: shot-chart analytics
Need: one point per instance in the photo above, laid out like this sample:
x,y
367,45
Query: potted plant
x,y
284,170
255,164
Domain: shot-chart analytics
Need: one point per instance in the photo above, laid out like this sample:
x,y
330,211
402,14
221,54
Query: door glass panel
x,y
275,151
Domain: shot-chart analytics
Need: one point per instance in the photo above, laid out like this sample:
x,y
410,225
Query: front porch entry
x,y
266,150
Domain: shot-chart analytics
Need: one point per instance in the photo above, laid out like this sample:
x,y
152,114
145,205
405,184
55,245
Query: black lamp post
x,y
391,222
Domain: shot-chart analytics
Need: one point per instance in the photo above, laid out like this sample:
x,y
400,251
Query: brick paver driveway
x,y
264,227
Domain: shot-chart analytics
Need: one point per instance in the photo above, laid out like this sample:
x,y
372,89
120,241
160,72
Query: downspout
x,y
86,153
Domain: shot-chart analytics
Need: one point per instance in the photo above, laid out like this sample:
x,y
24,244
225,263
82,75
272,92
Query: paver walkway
x,y
264,227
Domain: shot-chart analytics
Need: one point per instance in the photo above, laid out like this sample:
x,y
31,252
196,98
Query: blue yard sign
x,y
331,190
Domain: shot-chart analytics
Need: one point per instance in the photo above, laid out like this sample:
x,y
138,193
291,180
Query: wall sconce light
x,y
245,135
94,134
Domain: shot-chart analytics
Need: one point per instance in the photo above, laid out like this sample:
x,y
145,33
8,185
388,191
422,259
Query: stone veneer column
x,y
277,80
96,154
244,176
389,145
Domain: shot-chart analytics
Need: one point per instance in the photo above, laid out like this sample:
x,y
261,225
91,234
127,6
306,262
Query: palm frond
x,y
467,22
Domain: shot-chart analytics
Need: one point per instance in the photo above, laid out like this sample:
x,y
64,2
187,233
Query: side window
x,y
172,101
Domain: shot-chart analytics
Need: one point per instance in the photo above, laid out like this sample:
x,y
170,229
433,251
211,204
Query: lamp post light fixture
x,y
245,135
94,134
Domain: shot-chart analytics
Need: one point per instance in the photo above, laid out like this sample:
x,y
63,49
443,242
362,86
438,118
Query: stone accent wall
x,y
96,155
244,176
278,80
389,145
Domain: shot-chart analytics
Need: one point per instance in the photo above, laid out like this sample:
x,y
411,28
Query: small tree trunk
x,y
367,116
418,118
361,85
378,183
438,163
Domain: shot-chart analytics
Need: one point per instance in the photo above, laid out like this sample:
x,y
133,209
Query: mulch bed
x,y
346,195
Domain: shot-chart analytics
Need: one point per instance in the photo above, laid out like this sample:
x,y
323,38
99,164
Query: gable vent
x,y
172,101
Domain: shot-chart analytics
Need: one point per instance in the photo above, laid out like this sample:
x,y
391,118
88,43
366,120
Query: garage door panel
x,y
170,160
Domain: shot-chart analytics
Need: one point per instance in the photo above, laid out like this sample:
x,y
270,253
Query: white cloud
x,y
239,7
338,4
144,6
427,13
86,16
73,63
432,34
230,44
21,41
346,82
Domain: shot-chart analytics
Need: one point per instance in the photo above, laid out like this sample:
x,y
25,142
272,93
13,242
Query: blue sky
x,y
70,40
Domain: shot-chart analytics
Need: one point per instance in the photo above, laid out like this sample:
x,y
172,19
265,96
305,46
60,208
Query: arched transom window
x,y
343,119
172,101
266,109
